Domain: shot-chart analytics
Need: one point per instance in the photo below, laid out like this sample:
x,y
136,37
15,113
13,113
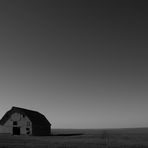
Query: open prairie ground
x,y
86,138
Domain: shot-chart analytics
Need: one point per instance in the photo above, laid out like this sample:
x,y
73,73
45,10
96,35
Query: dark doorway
x,y
16,130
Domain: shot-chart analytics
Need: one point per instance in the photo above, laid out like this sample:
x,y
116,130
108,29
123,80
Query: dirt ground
x,y
111,138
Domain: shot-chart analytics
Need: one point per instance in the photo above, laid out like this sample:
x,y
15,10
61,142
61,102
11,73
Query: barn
x,y
20,121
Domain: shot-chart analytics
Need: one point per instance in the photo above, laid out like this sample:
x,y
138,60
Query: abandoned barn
x,y
20,121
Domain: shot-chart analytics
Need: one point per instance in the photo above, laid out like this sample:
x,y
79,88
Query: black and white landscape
x,y
82,64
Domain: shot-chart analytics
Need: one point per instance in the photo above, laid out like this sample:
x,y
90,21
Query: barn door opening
x,y
16,130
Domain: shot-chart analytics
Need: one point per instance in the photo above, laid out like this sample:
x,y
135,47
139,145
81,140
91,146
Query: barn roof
x,y
35,117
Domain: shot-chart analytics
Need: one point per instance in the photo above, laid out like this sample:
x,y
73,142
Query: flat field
x,y
81,138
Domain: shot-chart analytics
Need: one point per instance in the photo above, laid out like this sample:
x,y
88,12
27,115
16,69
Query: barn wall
x,y
23,122
41,130
5,130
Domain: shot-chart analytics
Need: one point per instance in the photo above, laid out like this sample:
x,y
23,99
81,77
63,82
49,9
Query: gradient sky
x,y
82,64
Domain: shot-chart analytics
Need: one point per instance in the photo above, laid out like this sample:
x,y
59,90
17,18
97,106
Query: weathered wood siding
x,y
22,121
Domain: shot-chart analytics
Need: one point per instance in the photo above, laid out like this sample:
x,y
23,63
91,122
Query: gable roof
x,y
35,117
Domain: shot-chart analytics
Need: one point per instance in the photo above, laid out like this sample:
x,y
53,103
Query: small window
x,y
27,129
14,122
28,123
23,116
28,132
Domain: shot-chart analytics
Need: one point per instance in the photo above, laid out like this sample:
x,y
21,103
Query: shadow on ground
x,y
70,134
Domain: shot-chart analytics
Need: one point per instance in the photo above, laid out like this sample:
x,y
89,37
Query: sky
x,y
80,63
